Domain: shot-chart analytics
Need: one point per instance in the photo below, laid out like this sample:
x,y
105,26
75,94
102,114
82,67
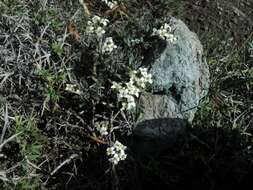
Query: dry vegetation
x,y
47,134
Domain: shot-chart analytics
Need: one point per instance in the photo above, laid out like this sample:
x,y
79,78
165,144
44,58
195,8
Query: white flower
x,y
131,105
115,159
96,19
171,38
90,29
119,146
104,22
102,127
141,82
165,33
72,88
124,106
99,31
110,151
123,93
108,45
110,4
167,27
143,71
116,85
146,76
136,41
149,79
97,25
116,152
103,130
131,90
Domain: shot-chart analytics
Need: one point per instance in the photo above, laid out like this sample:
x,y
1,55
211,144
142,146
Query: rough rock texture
x,y
181,80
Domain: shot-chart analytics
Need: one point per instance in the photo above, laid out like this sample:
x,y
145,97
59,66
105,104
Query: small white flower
x,y
96,19
136,41
143,71
110,4
116,152
149,79
90,29
141,82
171,38
104,22
119,146
103,130
131,90
165,33
102,127
97,25
108,45
123,156
116,85
110,151
72,88
123,93
124,106
131,106
115,160
99,31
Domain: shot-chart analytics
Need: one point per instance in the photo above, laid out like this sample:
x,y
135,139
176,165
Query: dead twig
x,y
6,123
86,10
73,156
8,140
96,139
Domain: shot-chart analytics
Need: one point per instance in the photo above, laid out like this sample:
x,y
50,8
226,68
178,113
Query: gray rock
x,y
181,80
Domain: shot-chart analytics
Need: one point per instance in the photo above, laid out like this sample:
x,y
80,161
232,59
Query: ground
x,y
47,138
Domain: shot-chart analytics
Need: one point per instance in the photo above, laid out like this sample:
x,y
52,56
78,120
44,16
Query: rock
x,y
159,135
180,81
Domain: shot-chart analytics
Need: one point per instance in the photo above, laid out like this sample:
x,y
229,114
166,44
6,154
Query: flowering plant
x,y
97,25
164,32
116,152
128,92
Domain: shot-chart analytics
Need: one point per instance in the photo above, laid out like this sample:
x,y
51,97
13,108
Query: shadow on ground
x,y
204,158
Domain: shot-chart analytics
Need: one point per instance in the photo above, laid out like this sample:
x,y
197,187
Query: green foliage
x,y
30,140
32,183
53,85
29,137
7,6
44,15
56,48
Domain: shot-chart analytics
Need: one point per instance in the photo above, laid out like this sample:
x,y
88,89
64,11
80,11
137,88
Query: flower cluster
x,y
110,4
96,25
165,33
102,128
127,92
116,152
136,41
72,88
108,45
144,78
